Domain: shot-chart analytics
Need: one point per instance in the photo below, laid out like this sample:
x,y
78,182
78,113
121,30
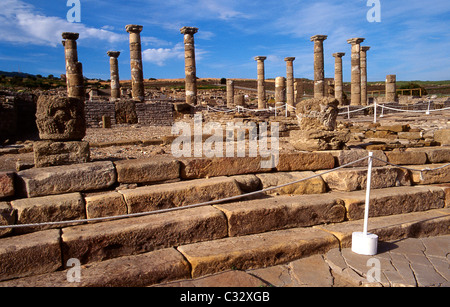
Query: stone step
x,y
95,242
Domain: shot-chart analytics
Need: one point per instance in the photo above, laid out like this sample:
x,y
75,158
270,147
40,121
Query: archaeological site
x,y
223,182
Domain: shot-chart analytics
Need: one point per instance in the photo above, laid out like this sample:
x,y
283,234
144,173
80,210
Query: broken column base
x,y
317,140
53,153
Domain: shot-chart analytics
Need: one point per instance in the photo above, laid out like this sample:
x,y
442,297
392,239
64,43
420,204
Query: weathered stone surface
x,y
442,136
406,157
67,179
317,114
6,184
318,140
394,227
126,112
147,170
7,217
347,156
394,128
305,161
282,212
439,175
129,271
258,250
214,167
50,153
248,183
434,154
394,201
352,179
312,271
108,204
55,208
31,254
178,194
311,186
60,118
100,241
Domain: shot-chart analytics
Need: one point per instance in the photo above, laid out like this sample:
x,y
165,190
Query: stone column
x,y
363,56
74,69
114,68
189,64
391,88
356,71
230,94
137,75
280,93
261,83
319,71
290,98
338,79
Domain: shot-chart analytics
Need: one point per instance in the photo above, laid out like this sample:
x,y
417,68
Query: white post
x,y
428,111
348,112
369,180
374,114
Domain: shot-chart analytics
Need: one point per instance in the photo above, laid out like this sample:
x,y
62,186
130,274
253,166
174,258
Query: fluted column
x,y
290,98
363,55
319,71
356,70
137,75
74,69
261,82
338,79
114,68
189,64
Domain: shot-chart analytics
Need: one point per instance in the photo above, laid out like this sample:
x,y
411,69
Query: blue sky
x,y
412,40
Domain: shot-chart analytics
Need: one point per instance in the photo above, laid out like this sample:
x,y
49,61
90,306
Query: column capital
x,y
113,54
319,37
365,48
70,35
338,54
356,40
134,28
289,59
188,30
260,58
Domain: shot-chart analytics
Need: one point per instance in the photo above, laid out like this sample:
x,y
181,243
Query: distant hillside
x,y
12,74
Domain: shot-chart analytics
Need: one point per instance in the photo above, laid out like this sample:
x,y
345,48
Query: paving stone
x,y
305,161
129,271
30,254
281,212
312,271
66,179
106,240
6,184
151,170
257,250
55,208
7,217
277,276
178,194
311,186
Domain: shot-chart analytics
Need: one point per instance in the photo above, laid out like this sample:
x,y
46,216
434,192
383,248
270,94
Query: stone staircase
x,y
270,228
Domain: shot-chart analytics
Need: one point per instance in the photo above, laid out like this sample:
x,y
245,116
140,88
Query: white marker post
x,y
365,243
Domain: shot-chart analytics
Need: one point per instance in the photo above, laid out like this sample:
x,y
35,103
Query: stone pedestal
x,y
355,99
189,64
230,94
338,80
363,56
137,74
319,71
391,88
290,93
114,68
261,82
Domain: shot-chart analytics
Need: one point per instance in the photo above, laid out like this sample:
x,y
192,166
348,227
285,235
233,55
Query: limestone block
x,y
106,240
30,254
7,217
318,140
60,118
441,175
406,157
54,208
442,136
434,154
352,179
310,186
50,153
147,170
317,114
107,204
347,156
178,194
6,184
305,161
126,112
281,212
67,178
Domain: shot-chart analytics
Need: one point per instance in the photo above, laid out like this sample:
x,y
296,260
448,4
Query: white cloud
x,y
159,56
